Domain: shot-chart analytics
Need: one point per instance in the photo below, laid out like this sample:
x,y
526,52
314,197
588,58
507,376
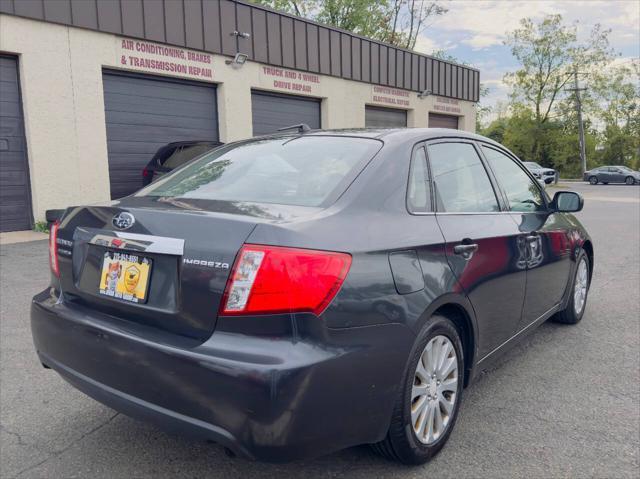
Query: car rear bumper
x,y
264,398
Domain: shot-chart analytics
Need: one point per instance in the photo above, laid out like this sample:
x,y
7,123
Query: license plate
x,y
125,276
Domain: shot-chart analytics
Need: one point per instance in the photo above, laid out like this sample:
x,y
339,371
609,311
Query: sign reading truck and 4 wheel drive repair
x,y
153,58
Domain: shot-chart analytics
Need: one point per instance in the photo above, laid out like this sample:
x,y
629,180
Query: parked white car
x,y
546,175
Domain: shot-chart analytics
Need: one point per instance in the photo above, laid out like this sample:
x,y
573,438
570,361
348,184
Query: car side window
x,y
460,181
522,192
418,192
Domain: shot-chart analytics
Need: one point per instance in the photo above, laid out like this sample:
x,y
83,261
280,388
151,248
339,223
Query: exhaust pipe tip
x,y
227,451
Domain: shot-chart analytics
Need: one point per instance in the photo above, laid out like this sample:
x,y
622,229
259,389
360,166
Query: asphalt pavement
x,y
565,403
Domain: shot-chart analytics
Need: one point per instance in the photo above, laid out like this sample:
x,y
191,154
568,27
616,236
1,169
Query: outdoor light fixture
x,y
424,94
238,60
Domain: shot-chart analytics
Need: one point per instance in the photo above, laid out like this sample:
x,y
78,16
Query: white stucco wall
x,y
61,80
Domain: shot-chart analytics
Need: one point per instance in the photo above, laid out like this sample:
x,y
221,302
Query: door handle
x,y
465,250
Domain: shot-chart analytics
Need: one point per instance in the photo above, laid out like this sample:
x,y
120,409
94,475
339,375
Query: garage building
x,y
90,90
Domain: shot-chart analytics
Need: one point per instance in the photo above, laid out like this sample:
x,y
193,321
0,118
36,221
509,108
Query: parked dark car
x,y
612,174
293,295
547,175
172,155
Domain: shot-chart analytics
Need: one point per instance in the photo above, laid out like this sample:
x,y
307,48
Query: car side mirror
x,y
567,202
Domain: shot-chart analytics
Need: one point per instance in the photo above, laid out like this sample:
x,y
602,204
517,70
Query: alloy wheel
x,y
580,287
434,391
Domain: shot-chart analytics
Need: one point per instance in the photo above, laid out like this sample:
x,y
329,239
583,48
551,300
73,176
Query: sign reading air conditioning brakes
x,y
289,81
151,57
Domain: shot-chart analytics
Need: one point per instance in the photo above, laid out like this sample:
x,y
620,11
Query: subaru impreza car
x,y
292,295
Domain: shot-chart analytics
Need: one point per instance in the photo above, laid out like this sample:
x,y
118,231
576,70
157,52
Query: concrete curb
x,y
21,237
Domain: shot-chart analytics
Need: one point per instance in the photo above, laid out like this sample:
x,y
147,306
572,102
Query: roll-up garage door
x,y
144,112
376,117
271,111
436,120
15,199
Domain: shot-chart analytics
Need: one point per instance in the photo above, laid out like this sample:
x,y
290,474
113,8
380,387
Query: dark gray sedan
x,y
292,295
612,174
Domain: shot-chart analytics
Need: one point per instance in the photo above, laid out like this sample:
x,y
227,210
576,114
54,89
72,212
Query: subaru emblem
x,y
123,220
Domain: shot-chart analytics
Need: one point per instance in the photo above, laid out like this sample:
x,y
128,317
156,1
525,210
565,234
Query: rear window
x,y
305,171
185,153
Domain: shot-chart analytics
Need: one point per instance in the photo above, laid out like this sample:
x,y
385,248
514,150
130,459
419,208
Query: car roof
x,y
191,142
391,135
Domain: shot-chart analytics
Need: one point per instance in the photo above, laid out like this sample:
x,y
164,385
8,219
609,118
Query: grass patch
x,y
41,227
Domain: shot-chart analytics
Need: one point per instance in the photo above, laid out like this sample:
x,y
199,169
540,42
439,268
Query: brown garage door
x,y
436,120
15,199
377,117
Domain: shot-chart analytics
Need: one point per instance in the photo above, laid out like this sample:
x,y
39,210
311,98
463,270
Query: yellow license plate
x,y
125,276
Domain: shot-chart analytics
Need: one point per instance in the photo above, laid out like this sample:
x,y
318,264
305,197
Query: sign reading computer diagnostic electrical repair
x,y
154,58
383,95
289,80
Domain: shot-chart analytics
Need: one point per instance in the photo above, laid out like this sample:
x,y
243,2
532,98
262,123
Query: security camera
x,y
424,93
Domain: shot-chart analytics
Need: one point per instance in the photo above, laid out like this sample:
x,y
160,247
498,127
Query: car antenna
x,y
301,127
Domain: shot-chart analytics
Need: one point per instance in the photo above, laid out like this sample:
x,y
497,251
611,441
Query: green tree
x,y
398,22
549,52
615,104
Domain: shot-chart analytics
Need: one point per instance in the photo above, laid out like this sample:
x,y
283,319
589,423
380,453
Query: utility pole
x,y
577,90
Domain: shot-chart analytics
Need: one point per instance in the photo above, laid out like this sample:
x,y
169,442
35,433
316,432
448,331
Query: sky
x,y
474,30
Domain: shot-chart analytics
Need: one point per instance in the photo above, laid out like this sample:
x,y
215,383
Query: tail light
x,y
272,279
53,248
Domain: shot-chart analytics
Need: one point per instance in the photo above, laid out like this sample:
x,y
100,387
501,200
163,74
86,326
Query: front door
x,y
544,234
481,240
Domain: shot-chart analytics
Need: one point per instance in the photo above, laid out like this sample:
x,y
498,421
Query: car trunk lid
x,y
177,258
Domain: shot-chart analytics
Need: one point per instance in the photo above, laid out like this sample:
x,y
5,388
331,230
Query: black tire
x,y
593,180
629,180
401,443
569,314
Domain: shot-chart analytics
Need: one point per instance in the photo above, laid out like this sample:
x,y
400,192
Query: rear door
x,y
482,242
617,175
605,175
545,234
